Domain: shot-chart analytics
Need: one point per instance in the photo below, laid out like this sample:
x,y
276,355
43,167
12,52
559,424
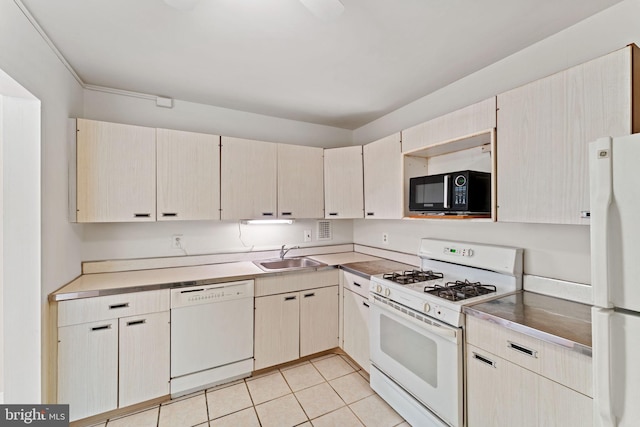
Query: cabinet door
x,y
248,179
144,358
88,368
562,407
277,330
500,393
318,320
383,178
116,172
188,175
356,328
300,181
343,182
544,131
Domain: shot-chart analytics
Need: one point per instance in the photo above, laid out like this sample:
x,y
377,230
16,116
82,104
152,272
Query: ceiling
x,y
275,57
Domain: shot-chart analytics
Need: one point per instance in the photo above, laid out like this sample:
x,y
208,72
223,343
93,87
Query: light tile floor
x,y
324,392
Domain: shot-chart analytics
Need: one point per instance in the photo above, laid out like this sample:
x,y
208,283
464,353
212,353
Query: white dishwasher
x,y
211,335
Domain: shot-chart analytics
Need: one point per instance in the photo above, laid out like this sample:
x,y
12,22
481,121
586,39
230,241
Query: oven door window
x,y
403,344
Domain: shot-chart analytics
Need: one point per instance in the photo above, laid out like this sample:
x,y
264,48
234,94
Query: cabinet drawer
x,y
553,361
356,284
294,282
110,307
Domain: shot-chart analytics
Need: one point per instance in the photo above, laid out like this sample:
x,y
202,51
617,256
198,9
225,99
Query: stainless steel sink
x,y
278,264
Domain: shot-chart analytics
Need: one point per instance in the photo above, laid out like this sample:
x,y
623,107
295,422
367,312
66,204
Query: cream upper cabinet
x,y
343,182
115,172
544,129
470,120
383,178
248,179
188,175
300,181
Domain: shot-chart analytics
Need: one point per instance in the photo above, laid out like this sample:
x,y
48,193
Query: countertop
x,y
98,284
367,269
551,319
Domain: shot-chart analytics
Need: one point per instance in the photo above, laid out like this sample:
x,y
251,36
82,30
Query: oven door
x,y
422,355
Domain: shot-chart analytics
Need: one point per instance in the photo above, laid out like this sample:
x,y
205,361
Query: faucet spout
x,y
284,251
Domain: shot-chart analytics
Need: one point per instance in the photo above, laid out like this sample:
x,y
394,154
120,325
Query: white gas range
x,y
416,325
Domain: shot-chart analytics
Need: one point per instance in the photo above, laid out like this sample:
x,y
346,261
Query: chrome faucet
x,y
284,251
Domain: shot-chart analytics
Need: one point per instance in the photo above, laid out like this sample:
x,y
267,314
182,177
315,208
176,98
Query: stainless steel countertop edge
x,y
532,332
356,272
172,285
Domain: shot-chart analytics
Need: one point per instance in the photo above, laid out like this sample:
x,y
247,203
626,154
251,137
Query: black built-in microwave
x,y
466,192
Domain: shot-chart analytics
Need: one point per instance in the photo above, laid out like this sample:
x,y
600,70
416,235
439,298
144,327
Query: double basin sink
x,y
287,264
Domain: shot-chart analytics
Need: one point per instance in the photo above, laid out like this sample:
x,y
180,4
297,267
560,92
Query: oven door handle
x,y
445,331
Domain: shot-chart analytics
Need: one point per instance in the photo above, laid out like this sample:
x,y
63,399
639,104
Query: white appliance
x,y
615,276
416,326
211,335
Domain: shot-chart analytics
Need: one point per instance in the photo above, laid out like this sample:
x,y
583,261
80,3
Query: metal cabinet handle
x,y
484,360
312,294
370,213
101,328
142,215
267,213
357,284
285,214
333,213
445,202
169,214
123,305
522,349
137,322
365,304
289,298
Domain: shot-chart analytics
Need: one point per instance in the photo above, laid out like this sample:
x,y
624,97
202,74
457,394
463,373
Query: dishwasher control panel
x,y
207,294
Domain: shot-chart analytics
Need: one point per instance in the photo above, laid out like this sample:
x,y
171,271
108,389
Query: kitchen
x,y
556,251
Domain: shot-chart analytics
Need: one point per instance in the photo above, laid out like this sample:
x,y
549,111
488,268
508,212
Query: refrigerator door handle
x,y
601,196
603,412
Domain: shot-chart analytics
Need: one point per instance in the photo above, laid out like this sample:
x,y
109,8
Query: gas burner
x,y
412,276
459,290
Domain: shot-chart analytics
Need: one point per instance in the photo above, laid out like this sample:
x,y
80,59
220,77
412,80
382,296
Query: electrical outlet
x,y
385,238
307,235
177,241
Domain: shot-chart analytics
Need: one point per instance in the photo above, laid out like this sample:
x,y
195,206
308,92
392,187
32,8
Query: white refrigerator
x,y
614,165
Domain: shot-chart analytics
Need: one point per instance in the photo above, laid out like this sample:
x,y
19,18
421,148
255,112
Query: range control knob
x,y
387,292
379,289
427,307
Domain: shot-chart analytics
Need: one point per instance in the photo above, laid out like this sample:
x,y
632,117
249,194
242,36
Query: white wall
x,y
122,241
195,117
609,30
560,252
29,60
21,252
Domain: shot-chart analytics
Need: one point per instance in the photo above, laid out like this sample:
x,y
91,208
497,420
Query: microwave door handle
x,y
445,202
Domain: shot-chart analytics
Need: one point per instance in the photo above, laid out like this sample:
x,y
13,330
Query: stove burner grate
x,y
459,290
412,276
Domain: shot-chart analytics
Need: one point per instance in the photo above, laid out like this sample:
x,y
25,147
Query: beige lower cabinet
x,y
295,315
277,329
88,368
113,351
516,389
144,362
318,320
356,328
355,318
